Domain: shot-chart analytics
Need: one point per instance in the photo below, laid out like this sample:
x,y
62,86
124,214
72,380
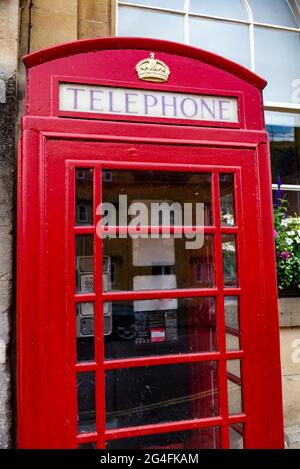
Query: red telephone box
x,y
129,337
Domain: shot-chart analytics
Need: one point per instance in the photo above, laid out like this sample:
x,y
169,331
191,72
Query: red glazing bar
x,y
71,308
87,438
243,310
85,297
154,229
160,294
220,309
82,230
85,367
162,428
160,360
167,427
99,326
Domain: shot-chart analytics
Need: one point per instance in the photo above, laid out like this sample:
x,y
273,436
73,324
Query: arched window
x,y
263,35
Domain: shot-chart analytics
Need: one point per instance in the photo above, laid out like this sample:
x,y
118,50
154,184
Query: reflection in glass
x,y
84,252
162,393
280,74
157,263
229,9
156,187
234,386
87,446
293,198
85,332
202,438
221,38
275,12
84,196
229,260
86,402
284,135
231,307
236,436
227,199
145,23
162,327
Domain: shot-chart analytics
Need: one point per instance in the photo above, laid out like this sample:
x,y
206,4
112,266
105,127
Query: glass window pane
x,y
202,438
284,135
174,4
84,196
231,306
229,260
293,199
162,327
236,436
275,12
86,402
234,386
162,393
280,69
84,246
153,24
87,446
229,9
160,264
227,199
85,332
227,39
152,188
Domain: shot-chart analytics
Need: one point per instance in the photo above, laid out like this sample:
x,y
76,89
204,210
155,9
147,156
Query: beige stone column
x,y
52,23
96,18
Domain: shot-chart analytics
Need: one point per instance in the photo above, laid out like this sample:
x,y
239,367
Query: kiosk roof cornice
x,y
98,44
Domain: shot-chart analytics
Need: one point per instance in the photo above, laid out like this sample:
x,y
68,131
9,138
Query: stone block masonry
x,y
7,183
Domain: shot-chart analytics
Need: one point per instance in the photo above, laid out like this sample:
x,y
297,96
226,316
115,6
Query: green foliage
x,y
287,244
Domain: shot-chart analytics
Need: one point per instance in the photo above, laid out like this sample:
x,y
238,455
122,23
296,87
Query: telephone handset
x,y
85,311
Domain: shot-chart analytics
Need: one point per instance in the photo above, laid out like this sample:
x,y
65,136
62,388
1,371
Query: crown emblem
x,y
152,69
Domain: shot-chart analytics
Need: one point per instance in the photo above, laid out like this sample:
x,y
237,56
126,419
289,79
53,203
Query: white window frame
x,y
295,8
268,105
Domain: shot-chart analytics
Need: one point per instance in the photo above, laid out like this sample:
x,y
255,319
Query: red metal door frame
x,y
56,160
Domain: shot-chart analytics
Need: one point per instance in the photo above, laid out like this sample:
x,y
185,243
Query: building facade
x,y
260,35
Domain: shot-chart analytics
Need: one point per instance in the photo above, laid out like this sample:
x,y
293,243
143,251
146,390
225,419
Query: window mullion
x,y
251,35
186,22
252,47
287,187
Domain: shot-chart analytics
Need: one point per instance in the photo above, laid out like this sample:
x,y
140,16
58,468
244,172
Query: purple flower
x,y
284,255
278,192
275,233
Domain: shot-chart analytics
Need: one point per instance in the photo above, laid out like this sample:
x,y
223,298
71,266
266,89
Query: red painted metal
x,y
52,145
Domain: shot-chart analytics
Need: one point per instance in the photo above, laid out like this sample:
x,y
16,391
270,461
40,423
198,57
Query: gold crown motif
x,y
152,69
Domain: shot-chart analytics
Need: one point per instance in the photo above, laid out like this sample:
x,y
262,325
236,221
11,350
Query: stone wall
x,y
49,23
8,105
